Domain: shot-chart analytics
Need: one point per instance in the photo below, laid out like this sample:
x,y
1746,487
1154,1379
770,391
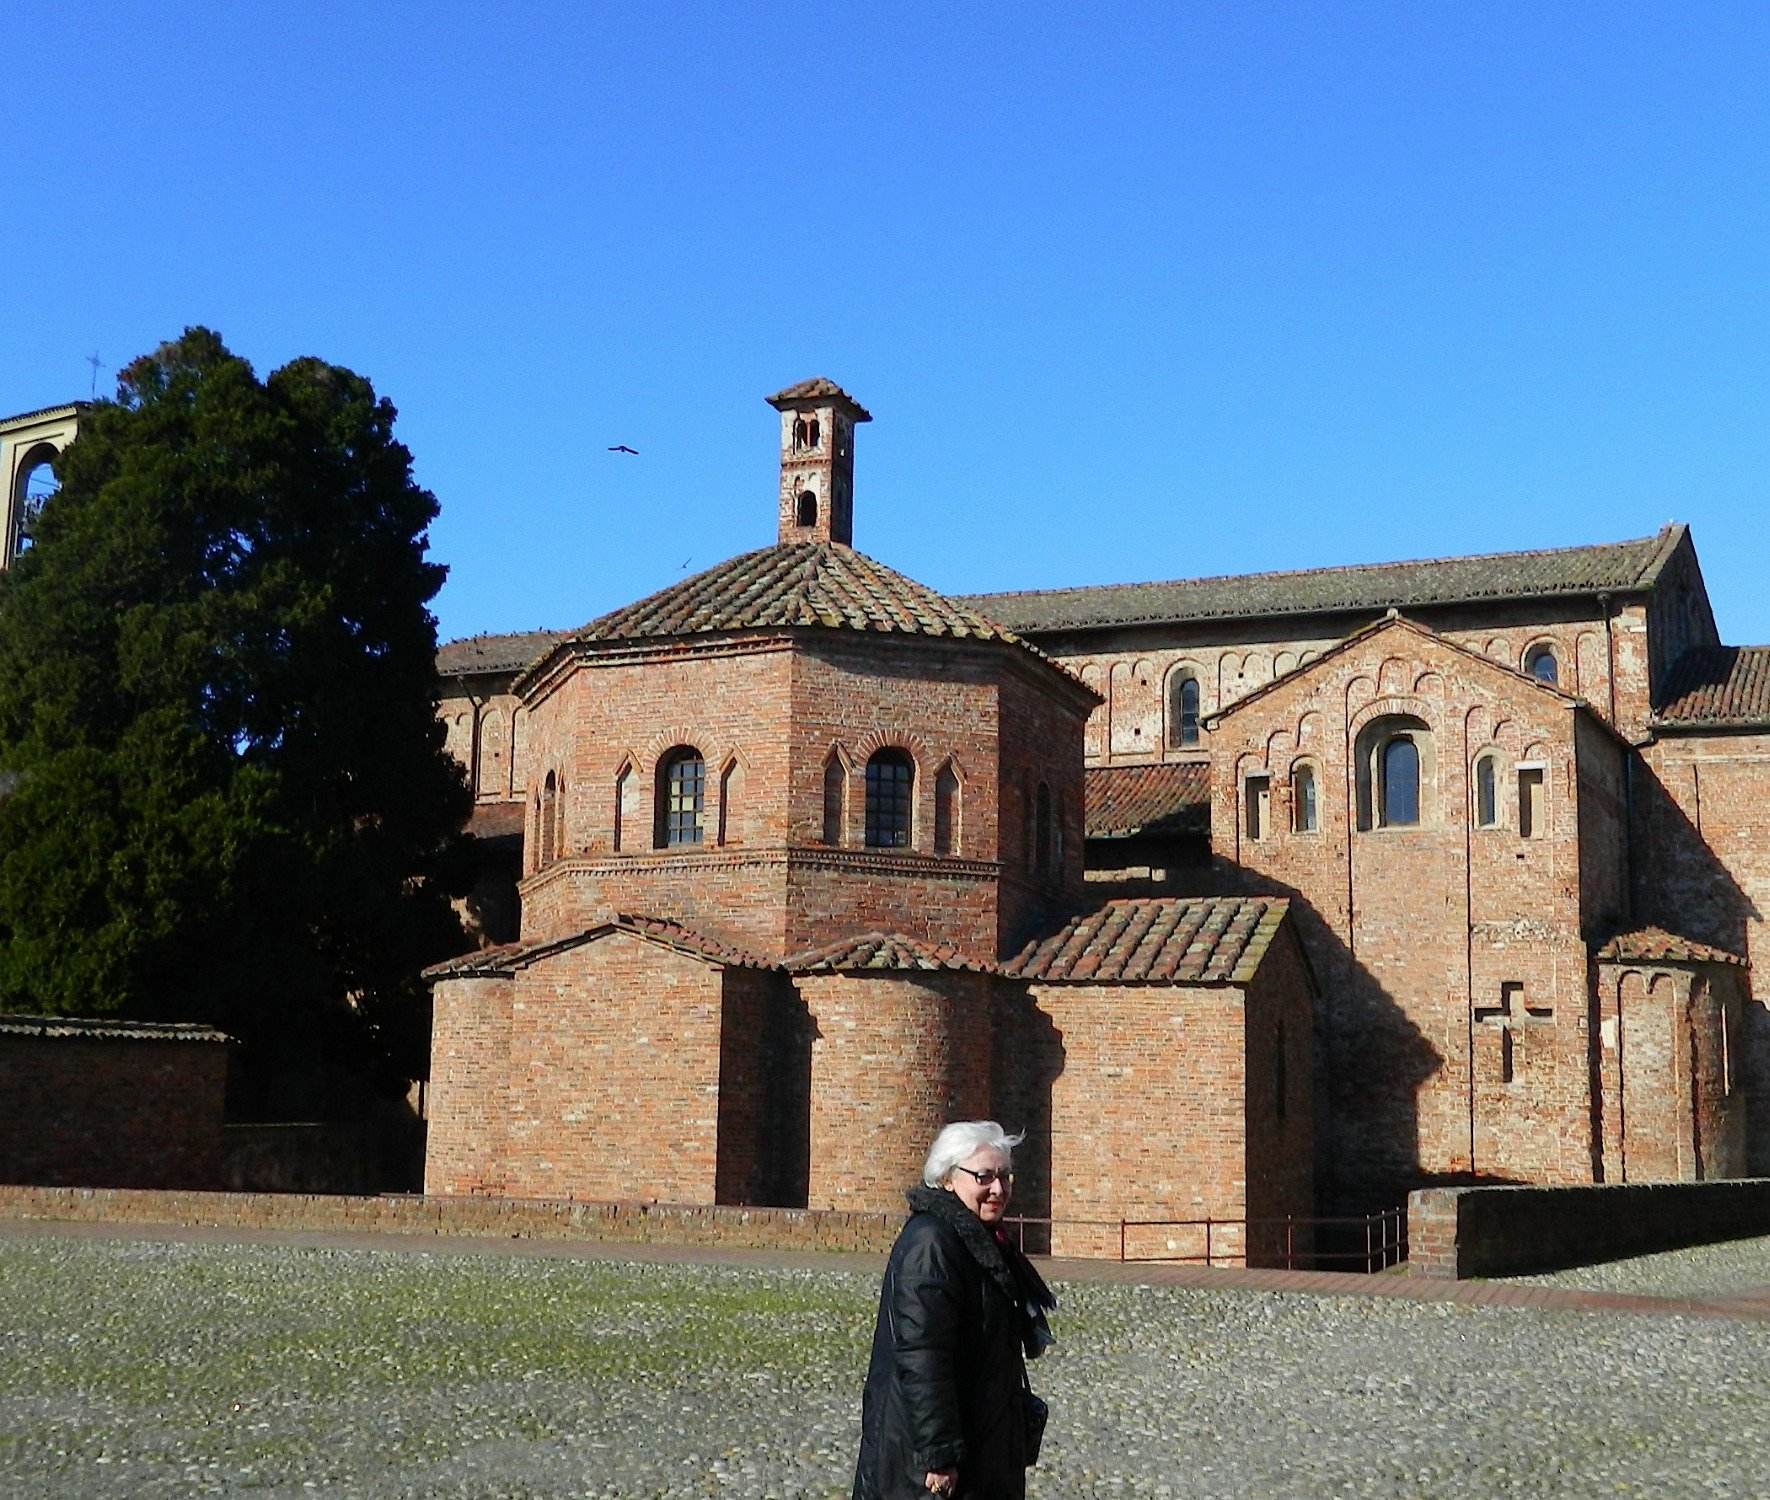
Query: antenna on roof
x,y
97,364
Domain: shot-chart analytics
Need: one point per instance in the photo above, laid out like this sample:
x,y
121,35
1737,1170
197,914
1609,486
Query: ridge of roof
x,y
666,932
1656,945
1157,940
1375,627
93,1028
61,409
493,653
1162,798
882,950
1717,687
1602,567
819,584
819,388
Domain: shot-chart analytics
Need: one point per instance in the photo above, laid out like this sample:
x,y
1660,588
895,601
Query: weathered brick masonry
x,y
799,836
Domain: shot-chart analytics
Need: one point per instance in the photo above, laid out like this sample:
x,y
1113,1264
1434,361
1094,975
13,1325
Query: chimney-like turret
x,y
817,461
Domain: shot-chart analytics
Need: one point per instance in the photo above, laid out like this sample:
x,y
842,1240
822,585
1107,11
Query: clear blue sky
x,y
1132,292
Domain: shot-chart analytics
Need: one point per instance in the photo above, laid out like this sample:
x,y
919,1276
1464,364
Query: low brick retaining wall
x,y
491,1218
1453,1233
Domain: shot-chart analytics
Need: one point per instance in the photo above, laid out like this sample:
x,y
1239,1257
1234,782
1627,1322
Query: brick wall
x,y
894,1057
1702,826
118,1112
1453,968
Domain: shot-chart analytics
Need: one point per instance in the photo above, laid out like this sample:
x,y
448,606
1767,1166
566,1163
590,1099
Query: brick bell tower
x,y
817,461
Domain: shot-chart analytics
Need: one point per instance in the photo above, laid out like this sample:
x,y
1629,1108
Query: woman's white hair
x,y
959,1141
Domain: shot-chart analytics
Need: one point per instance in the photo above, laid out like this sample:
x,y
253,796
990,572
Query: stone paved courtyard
x,y
140,1367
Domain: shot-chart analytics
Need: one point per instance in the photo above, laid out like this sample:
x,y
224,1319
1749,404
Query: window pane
x,y
890,779
1303,799
685,799
1542,666
1189,711
1401,783
1484,794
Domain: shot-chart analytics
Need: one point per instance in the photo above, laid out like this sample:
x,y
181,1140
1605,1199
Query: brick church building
x,y
1251,896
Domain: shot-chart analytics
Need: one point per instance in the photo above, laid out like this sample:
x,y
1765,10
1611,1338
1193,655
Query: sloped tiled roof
x,y
495,820
1650,944
506,958
1719,685
1610,567
1157,940
493,653
81,1028
795,583
819,388
880,950
1164,799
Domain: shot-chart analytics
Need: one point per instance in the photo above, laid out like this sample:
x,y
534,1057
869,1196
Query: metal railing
x,y
1363,1243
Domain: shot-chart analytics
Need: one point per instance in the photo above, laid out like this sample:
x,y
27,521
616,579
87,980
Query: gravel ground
x,y
156,1369
1702,1271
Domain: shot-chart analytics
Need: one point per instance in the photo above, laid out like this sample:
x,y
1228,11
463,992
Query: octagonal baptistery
x,y
793,750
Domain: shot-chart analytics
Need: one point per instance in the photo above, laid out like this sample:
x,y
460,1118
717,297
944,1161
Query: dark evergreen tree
x,y
228,797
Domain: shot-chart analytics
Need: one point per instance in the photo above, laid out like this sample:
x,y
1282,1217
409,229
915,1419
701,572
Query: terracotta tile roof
x,y
820,389
1157,940
1719,685
495,820
795,583
1167,799
493,653
1611,567
506,958
1651,944
881,950
82,1028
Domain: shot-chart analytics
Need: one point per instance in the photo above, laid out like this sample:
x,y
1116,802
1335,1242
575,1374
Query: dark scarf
x,y
1002,1263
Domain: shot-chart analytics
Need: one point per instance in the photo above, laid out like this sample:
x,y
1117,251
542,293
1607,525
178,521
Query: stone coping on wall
x,y
1458,1232
491,1218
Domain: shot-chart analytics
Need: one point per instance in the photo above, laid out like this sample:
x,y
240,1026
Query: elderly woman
x,y
947,1410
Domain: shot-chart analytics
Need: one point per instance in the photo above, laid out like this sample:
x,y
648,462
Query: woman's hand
x,y
941,1481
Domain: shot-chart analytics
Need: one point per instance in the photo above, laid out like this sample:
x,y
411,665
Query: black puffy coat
x,y
943,1389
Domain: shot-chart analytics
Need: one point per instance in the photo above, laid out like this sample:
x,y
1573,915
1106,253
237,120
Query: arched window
x,y
623,790
946,811
1540,663
1304,816
807,508
36,483
1042,830
1395,773
547,812
1487,802
1398,785
835,800
891,782
731,792
681,798
1183,709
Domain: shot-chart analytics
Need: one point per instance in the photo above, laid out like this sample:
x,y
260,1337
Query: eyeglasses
x,y
988,1177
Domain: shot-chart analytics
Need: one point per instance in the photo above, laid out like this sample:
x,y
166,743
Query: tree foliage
x,y
230,799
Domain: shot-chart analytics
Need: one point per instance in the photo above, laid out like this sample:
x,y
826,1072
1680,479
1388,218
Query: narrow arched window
x,y
560,845
1183,710
1304,817
807,508
623,789
1042,830
1398,784
835,800
1487,807
891,781
1540,663
546,813
731,791
681,798
946,811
